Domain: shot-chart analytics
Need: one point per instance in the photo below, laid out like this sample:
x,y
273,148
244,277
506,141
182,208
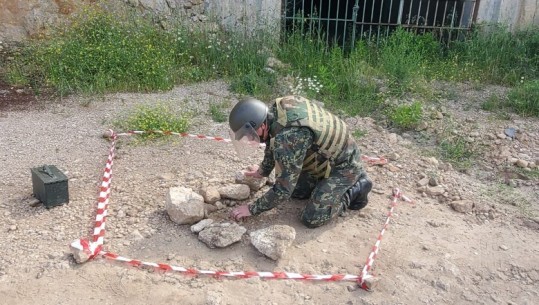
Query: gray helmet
x,y
248,111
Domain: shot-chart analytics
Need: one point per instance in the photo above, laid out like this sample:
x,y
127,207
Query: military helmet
x,y
247,111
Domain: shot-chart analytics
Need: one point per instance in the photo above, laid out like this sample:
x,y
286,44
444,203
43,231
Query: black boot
x,y
358,193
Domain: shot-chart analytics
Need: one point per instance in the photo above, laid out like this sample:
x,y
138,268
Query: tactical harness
x,y
330,132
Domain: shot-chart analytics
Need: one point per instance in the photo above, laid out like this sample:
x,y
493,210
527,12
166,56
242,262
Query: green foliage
x,y
406,116
404,57
524,99
155,117
344,81
493,54
217,112
359,133
255,84
493,103
101,52
457,151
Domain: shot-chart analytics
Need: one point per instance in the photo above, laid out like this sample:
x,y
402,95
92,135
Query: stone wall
x,y
516,14
23,19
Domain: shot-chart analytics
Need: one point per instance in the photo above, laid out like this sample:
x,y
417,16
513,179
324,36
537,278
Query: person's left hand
x,y
240,212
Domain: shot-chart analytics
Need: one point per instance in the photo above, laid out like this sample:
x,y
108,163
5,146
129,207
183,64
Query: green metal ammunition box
x,y
50,185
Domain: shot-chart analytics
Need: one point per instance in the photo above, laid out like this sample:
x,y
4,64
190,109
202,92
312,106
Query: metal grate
x,y
344,21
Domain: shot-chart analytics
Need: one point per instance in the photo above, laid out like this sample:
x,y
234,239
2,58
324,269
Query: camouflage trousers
x,y
326,195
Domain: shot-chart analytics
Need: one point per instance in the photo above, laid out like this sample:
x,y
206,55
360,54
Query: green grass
x,y
524,99
155,117
105,52
217,112
359,133
406,117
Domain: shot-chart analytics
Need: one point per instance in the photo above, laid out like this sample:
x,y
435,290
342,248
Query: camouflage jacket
x,y
286,150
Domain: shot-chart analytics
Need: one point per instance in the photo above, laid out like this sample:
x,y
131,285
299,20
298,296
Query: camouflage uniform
x,y
287,150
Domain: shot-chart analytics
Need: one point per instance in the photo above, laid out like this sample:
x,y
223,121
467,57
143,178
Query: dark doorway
x,y
344,21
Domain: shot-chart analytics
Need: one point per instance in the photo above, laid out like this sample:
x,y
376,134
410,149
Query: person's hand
x,y
252,171
240,212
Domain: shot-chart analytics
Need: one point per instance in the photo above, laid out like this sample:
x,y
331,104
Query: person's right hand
x,y
252,171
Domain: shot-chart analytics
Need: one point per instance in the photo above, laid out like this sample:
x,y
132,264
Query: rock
x,y
221,235
210,208
522,137
501,136
433,181
392,137
166,176
34,202
210,194
462,206
435,191
393,156
521,163
510,132
273,241
392,168
107,134
219,205
184,206
423,182
432,161
135,235
422,126
504,247
254,183
481,208
201,225
235,191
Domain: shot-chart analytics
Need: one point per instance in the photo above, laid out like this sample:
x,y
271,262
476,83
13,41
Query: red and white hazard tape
x,y
374,160
365,276
84,249
168,133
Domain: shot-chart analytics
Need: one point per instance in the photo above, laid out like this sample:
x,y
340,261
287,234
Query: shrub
x,y
406,116
156,117
524,99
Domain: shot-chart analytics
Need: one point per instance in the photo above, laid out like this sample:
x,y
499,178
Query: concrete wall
x,y
247,15
21,19
515,14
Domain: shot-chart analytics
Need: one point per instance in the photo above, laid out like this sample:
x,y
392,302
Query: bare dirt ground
x,y
431,254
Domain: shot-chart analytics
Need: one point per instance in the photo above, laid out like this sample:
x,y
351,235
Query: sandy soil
x,y
431,254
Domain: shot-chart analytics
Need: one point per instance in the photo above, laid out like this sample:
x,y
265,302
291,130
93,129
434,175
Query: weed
x,y
457,151
493,103
359,133
217,112
155,117
524,99
406,116
508,195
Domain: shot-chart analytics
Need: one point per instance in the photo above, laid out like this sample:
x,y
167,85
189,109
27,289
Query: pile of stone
x,y
187,207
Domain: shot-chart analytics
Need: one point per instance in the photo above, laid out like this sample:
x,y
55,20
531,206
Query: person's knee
x,y
314,218
301,195
313,223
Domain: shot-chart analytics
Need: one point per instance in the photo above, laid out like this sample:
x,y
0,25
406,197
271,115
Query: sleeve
x,y
268,163
291,145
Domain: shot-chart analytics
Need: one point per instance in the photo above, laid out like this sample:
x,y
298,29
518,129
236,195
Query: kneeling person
x,y
313,155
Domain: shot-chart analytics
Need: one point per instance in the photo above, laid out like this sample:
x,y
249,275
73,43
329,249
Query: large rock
x,y
254,183
221,235
201,225
184,206
462,206
235,191
273,241
210,194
